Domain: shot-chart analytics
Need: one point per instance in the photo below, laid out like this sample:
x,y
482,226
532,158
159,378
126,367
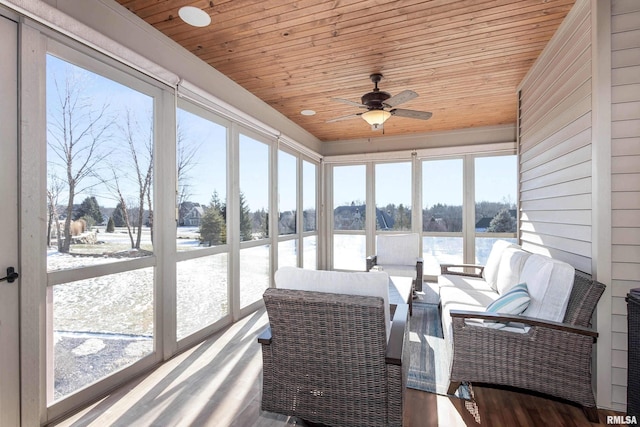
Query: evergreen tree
x,y
89,208
245,220
118,216
216,203
503,222
213,230
110,225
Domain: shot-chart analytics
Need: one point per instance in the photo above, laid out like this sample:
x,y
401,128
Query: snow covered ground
x,y
104,323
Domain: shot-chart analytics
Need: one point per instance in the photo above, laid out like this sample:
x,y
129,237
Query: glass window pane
x,y
254,273
201,297
202,182
288,253
349,252
100,325
254,189
310,255
442,195
287,193
393,196
309,180
349,197
440,250
99,168
496,188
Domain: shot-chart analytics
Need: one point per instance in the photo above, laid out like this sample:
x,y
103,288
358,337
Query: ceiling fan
x,y
380,106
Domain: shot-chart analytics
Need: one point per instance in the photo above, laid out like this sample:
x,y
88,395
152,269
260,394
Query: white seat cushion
x,y
398,249
511,263
453,298
490,272
375,283
550,283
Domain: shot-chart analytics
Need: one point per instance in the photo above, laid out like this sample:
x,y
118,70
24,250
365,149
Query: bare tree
x,y
76,129
186,160
54,187
115,188
141,167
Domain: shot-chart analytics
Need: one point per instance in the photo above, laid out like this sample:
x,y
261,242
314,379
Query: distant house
x,y
194,216
185,208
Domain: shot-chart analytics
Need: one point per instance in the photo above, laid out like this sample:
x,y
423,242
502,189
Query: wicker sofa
x,y
546,349
331,353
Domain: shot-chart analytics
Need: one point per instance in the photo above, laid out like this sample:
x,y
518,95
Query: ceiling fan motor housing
x,y
374,100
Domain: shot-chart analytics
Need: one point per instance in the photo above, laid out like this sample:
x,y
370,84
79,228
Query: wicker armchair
x,y
551,358
399,255
326,358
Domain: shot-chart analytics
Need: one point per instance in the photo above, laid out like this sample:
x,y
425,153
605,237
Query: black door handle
x,y
11,275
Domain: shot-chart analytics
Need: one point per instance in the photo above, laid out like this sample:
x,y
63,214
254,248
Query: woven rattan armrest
x,y
446,269
530,321
396,342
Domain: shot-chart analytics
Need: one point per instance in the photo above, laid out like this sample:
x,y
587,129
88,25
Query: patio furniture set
x,y
336,349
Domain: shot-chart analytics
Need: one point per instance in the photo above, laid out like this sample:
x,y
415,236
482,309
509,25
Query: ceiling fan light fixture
x,y
194,16
376,117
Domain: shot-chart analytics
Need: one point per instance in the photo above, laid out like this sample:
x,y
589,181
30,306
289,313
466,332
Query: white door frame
x,y
9,289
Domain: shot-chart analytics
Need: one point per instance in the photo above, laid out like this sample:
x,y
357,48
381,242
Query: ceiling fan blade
x,y
339,119
411,114
346,101
404,96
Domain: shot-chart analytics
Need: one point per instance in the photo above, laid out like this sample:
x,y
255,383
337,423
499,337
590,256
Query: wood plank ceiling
x,y
464,58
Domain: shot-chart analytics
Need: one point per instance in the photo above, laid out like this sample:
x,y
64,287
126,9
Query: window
x,y
349,216
393,196
287,193
309,216
442,213
254,219
254,273
100,325
309,182
201,293
254,189
202,273
99,168
201,163
495,202
100,157
288,253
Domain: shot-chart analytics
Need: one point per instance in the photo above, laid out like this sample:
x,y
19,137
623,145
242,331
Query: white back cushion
x,y
490,272
398,249
375,283
549,282
511,264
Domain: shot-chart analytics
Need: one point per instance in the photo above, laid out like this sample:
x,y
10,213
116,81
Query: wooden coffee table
x,y
400,292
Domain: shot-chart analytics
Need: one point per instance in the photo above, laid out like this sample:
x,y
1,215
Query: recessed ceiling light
x,y
308,112
194,16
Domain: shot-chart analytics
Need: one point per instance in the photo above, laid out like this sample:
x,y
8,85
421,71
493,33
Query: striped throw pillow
x,y
514,301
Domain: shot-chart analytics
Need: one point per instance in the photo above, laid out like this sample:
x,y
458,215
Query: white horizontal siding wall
x,y
625,179
555,134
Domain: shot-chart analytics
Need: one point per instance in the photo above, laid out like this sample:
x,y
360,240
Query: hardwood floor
x,y
218,383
